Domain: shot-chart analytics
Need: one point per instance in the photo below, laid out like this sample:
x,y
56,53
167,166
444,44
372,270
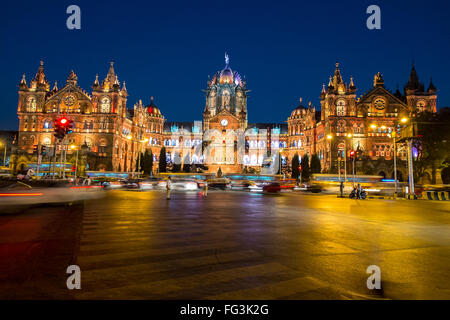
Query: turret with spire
x,y
40,80
23,83
124,91
378,80
72,78
431,87
413,82
96,85
111,82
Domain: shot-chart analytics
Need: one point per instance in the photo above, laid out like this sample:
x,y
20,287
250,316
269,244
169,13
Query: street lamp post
x,y
394,136
281,169
410,167
329,138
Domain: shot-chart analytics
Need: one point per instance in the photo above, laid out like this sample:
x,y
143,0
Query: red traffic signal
x,y
300,168
352,153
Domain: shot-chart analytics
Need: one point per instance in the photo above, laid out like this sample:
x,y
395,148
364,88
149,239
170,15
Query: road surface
x,y
231,245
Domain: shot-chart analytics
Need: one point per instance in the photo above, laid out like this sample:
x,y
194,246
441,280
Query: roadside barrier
x,y
436,195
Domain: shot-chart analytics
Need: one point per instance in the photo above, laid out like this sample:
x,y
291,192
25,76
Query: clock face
x,y
379,104
105,104
224,122
69,101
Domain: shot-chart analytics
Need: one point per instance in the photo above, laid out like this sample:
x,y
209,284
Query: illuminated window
x,y
31,104
340,108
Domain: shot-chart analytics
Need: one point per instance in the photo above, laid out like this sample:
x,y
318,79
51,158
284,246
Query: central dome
x,y
226,75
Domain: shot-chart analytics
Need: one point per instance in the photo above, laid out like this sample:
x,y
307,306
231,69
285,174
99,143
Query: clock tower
x,y
226,100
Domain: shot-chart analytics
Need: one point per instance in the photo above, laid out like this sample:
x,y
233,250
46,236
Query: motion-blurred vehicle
x,y
219,183
58,192
273,187
241,184
309,187
179,184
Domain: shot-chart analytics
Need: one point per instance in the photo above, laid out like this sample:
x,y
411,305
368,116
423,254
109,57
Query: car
x,y
219,183
273,187
241,184
55,192
179,184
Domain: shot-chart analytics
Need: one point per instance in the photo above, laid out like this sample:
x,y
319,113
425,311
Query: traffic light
x,y
63,126
35,148
351,153
359,154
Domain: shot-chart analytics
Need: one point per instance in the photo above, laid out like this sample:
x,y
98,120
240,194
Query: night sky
x,y
167,49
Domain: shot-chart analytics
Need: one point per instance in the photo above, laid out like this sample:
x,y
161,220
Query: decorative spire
x,y
110,77
227,60
323,88
40,77
111,69
116,81
413,82
352,85
378,80
72,78
337,79
23,83
96,83
431,87
55,87
124,87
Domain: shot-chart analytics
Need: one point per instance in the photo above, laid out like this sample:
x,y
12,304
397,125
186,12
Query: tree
x,y
162,160
295,164
316,167
445,175
306,171
432,145
147,162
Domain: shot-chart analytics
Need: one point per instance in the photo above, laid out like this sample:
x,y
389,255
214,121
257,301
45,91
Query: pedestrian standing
x,y
341,188
205,189
358,191
169,187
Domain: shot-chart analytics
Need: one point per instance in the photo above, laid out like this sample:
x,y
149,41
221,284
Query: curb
x,y
387,198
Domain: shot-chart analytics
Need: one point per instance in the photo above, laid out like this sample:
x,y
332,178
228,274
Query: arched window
x,y
31,104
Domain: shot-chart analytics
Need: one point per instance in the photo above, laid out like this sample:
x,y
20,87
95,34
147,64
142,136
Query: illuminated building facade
x,y
114,134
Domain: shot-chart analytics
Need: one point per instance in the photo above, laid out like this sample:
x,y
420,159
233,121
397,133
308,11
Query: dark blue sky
x,y
286,49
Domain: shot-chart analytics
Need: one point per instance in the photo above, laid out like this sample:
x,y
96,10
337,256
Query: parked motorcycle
x,y
353,194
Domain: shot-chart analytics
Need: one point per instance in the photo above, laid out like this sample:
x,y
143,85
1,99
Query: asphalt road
x,y
231,245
